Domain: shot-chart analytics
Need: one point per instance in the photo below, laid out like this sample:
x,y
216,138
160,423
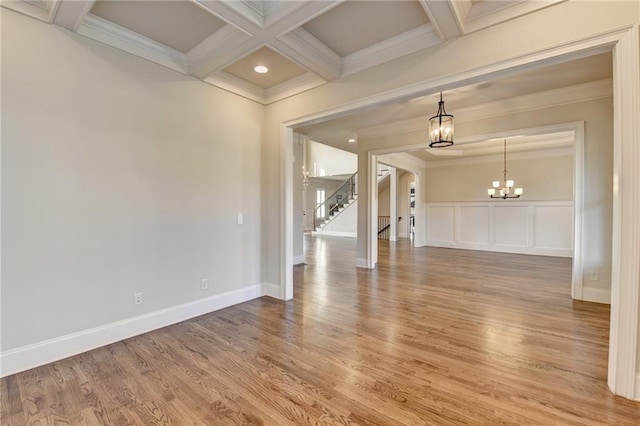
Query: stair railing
x,y
334,202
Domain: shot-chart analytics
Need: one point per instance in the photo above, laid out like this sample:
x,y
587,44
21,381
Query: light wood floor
x,y
433,336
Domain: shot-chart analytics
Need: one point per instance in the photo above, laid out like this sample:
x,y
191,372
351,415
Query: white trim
x,y
218,50
596,295
298,260
286,206
625,279
121,38
362,263
30,356
335,233
69,14
403,44
578,211
237,85
256,93
637,397
32,10
302,47
271,290
539,251
552,98
477,18
403,235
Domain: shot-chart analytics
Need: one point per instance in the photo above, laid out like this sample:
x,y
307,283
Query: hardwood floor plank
x,y
432,336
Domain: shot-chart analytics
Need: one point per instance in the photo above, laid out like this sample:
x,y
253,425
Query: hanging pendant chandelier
x,y
305,177
507,185
441,128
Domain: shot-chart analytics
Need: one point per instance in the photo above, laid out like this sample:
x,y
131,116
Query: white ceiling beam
x,y
71,13
237,13
306,50
220,49
42,11
444,17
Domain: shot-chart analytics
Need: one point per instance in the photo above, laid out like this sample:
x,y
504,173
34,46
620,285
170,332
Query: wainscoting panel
x,y
511,226
474,224
528,227
554,227
441,228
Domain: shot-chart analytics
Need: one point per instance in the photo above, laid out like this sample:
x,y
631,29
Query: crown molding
x,y
403,44
121,38
444,17
33,10
303,48
292,87
548,99
238,86
256,93
493,158
489,13
70,14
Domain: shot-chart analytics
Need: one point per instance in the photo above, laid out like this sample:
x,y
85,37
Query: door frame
x,y
624,43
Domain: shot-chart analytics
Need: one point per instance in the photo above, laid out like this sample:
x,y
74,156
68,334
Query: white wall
x,y
332,160
344,224
118,176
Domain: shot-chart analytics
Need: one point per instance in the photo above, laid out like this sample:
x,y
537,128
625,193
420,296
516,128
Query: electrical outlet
x,y
137,299
204,284
593,275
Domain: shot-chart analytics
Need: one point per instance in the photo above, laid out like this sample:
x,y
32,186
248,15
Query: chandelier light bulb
x,y
505,191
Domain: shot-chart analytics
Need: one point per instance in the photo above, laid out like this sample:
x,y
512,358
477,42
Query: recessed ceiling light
x,y
352,140
261,69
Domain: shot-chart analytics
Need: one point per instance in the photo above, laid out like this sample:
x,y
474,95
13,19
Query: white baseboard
x,y
637,395
537,251
596,295
336,234
297,260
41,353
362,263
271,290
403,235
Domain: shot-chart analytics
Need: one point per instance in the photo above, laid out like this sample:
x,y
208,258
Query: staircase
x,y
336,203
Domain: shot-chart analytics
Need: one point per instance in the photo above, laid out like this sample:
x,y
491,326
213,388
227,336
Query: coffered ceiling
x,y
306,43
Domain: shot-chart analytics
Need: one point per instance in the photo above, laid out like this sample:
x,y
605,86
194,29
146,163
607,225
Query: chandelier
x,y
305,177
505,191
441,127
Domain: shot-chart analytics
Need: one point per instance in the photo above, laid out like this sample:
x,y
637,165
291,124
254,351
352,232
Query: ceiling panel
x,y
354,25
180,25
281,69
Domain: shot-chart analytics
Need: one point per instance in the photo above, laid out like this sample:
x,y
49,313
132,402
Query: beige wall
x,y
118,176
384,202
543,179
